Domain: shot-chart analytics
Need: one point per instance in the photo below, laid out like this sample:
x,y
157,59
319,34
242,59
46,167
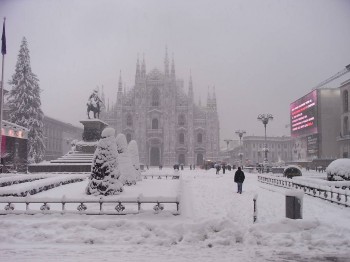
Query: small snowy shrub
x,y
104,178
128,174
134,155
339,169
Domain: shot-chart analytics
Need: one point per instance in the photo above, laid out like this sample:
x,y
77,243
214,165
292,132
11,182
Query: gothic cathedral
x,y
166,123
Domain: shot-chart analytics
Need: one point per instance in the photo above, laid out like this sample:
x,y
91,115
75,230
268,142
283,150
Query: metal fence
x,y
330,193
97,206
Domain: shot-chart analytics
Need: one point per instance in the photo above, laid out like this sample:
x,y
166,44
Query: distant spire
x,y
214,97
103,95
138,73
190,87
166,62
124,89
173,68
108,105
120,86
208,99
200,101
143,67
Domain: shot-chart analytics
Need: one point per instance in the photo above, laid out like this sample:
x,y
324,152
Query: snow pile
x,y
339,169
10,180
134,155
216,224
105,174
41,185
107,132
128,173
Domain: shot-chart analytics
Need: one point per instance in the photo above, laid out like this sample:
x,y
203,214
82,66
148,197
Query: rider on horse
x,y
93,104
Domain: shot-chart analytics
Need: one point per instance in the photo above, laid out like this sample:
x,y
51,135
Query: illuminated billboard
x,y
303,115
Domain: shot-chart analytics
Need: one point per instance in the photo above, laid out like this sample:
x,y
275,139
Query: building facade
x,y
164,120
58,137
280,149
344,134
315,125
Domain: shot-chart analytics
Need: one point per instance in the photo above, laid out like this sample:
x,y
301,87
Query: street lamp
x,y
240,133
264,118
227,143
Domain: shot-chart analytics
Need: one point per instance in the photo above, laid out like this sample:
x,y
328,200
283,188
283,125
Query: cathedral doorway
x,y
154,157
199,159
182,159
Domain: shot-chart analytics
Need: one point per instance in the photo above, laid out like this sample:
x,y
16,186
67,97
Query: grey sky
x,y
260,55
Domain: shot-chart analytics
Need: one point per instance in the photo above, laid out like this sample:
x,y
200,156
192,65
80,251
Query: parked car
x,y
292,171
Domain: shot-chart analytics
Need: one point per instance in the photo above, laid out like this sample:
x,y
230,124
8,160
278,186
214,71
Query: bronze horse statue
x,y
96,109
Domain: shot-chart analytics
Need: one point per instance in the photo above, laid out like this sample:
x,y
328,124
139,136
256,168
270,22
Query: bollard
x,y
255,214
294,204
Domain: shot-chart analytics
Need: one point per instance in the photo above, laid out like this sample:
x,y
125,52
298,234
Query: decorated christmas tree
x,y
105,175
128,172
135,160
25,104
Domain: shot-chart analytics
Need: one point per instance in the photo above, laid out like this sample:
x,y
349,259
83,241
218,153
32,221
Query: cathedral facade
x,y
167,125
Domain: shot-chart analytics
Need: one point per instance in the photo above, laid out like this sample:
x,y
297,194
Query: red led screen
x,y
303,115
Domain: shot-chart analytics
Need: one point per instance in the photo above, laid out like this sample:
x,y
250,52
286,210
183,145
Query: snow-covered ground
x,y
216,224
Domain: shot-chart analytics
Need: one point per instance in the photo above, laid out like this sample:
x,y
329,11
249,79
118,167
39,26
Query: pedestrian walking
x,y
217,167
223,169
239,179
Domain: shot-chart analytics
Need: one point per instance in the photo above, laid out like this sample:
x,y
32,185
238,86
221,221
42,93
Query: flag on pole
x,y
3,40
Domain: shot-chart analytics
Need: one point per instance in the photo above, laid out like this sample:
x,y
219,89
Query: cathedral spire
x,y
120,85
190,87
166,62
143,67
214,97
138,73
173,68
208,99
103,95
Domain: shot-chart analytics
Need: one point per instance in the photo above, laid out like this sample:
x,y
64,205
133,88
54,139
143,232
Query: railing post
x,y
255,214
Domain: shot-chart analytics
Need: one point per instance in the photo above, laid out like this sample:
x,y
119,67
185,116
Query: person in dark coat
x,y
239,179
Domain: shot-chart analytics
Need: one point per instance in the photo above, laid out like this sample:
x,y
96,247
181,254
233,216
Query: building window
x,y
345,126
155,97
129,120
181,120
154,123
199,138
181,138
346,100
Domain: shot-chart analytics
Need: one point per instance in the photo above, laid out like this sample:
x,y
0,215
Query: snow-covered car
x,y
292,171
339,169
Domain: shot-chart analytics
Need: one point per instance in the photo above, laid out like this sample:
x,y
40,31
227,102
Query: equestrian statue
x,y
93,104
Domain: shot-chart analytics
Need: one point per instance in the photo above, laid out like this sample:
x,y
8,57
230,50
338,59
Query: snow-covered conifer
x,y
126,169
105,175
25,104
134,155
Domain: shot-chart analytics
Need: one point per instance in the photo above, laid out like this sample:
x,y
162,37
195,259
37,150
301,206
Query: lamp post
x,y
265,118
240,134
227,143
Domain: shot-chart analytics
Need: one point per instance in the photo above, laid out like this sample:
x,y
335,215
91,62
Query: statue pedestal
x,y
81,158
92,129
92,133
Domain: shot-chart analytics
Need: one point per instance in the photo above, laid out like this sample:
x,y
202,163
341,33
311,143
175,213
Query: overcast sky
x,y
260,55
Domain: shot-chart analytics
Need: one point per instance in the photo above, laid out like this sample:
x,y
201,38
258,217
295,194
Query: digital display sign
x,y
303,115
